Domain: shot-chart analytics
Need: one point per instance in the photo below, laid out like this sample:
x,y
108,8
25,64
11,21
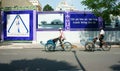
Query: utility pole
x,y
0,21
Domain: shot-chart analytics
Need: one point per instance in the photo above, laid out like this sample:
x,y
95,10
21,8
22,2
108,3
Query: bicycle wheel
x,y
67,46
49,47
89,46
106,47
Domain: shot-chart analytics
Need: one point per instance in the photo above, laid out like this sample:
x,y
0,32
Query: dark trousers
x,y
101,40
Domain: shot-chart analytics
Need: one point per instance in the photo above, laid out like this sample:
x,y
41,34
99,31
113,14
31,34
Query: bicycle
x,y
92,43
51,46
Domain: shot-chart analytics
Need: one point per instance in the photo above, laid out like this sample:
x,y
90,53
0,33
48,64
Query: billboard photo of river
x,y
50,21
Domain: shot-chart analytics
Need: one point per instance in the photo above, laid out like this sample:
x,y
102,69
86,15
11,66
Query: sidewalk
x,y
18,45
12,45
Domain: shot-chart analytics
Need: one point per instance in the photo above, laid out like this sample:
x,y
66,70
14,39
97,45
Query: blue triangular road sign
x,y
18,23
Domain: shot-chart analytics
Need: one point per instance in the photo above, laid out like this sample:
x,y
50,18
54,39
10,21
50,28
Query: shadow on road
x,y
116,67
36,65
80,64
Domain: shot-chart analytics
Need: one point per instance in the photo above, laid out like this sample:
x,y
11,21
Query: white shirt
x,y
62,35
102,32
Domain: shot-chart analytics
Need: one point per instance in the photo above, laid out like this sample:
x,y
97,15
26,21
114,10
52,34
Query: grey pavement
x,y
31,57
17,45
9,45
20,45
78,60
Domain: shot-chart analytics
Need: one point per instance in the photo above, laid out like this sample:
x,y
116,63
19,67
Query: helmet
x,y
60,28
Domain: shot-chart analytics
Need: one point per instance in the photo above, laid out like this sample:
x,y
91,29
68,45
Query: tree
x,y
48,8
103,8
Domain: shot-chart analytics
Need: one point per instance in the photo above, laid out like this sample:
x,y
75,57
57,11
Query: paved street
x,y
36,59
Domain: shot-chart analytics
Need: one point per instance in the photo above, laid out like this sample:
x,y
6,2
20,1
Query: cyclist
x,y
101,36
61,38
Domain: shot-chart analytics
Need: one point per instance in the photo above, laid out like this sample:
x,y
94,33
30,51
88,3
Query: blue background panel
x,y
83,21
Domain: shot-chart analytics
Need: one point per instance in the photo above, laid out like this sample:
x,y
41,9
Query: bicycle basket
x,y
82,42
90,39
50,42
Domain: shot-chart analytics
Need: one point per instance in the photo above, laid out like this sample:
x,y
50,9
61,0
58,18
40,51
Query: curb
x,y
11,47
19,45
30,45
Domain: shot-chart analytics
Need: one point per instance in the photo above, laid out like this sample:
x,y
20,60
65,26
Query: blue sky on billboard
x,y
76,3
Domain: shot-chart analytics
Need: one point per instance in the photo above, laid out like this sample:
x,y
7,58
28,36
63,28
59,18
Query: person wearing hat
x,y
61,37
101,36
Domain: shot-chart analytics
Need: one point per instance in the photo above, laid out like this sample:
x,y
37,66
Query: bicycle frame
x,y
51,45
83,41
92,43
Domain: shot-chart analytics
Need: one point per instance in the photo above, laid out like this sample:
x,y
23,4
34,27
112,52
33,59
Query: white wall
x,y
76,36
71,36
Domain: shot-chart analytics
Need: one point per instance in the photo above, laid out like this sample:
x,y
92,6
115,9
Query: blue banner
x,y
81,20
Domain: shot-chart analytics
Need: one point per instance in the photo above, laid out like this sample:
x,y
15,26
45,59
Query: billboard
x,y
50,20
18,25
82,20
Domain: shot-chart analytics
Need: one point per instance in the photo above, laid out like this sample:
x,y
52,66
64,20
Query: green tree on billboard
x,y
103,8
48,8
